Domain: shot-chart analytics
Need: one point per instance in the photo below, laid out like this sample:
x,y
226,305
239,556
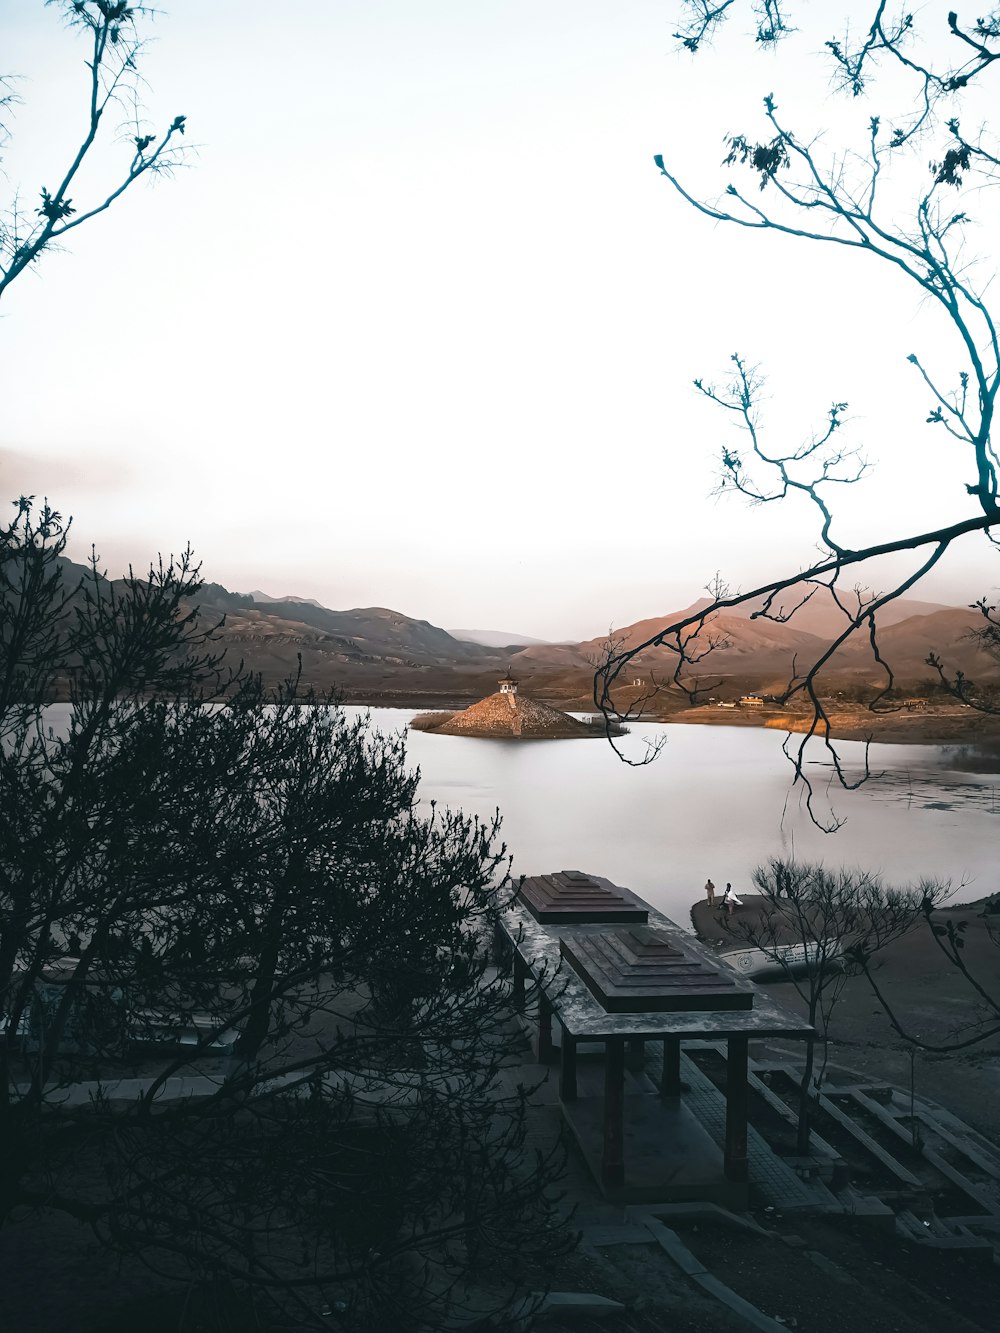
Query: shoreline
x,y
948,727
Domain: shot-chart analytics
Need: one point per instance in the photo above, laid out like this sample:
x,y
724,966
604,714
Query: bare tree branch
x,y
115,51
828,197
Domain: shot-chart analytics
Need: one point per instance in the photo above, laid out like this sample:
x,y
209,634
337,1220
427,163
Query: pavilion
x,y
615,974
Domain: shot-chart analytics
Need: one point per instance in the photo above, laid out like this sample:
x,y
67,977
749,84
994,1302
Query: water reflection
x,y
982,757
717,802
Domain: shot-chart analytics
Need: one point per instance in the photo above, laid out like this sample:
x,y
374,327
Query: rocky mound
x,y
509,716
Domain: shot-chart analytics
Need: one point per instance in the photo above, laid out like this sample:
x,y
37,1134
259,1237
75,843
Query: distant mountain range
x,y
376,654
259,596
495,638
758,652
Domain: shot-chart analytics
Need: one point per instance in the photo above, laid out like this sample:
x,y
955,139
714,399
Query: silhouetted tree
x,y
230,899
249,1031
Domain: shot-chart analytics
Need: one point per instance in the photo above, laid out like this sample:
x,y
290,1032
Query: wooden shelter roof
x,y
648,971
586,1017
570,896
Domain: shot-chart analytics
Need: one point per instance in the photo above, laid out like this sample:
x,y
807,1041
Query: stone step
x,y
937,1233
845,1119
625,1233
988,1200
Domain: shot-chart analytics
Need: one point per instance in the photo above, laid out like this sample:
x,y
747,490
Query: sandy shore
x,y
931,998
943,725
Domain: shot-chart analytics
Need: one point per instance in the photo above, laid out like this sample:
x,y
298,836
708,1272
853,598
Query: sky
x,y
417,323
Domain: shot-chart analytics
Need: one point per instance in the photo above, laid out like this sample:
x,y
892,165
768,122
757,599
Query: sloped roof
x,y
512,715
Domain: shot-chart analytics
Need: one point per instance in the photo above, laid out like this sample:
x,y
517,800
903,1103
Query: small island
x,y
506,715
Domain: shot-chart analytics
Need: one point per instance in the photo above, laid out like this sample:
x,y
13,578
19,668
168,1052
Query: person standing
x,y
730,901
710,892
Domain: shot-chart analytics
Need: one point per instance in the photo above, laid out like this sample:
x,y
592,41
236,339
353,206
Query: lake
x,y
717,801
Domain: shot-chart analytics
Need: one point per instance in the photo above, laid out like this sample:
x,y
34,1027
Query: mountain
x,y
381,655
757,645
375,652
374,634
259,596
759,653
495,638
813,610
950,633
818,613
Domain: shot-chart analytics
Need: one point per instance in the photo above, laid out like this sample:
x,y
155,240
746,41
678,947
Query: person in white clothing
x,y
730,901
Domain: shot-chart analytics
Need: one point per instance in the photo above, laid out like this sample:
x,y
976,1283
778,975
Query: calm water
x,y
717,801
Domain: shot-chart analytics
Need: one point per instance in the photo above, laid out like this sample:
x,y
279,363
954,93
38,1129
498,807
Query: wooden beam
x,y
670,1083
520,975
546,1050
636,1056
735,1164
567,1067
613,1160
501,947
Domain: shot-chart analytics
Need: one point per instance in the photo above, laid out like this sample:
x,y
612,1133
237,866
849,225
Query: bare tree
x,y
112,30
840,197
819,927
979,1022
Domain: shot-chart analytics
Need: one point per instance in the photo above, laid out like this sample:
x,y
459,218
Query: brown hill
x,y
951,634
758,644
375,632
821,615
512,716
759,653
375,654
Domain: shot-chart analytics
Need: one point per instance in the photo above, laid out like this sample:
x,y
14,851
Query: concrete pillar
x,y
636,1054
613,1160
545,1047
736,1109
567,1067
520,974
670,1084
501,947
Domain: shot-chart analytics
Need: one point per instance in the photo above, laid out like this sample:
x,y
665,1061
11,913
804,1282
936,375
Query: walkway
x,y
776,1183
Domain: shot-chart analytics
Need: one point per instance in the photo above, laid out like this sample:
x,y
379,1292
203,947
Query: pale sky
x,y
417,325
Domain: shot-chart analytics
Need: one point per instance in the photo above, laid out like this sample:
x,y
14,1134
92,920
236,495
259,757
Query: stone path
x,y
777,1184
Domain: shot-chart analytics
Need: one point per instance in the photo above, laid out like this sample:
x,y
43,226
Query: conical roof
x,y
512,715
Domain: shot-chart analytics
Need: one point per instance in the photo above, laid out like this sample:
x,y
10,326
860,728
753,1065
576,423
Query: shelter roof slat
x,y
572,896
